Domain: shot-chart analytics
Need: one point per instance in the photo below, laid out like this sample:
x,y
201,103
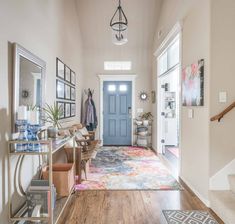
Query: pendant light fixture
x,y
119,26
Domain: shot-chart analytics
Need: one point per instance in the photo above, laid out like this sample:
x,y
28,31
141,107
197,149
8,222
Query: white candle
x,y
33,117
22,113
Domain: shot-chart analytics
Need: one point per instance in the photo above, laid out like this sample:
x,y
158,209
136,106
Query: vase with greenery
x,y
146,117
52,116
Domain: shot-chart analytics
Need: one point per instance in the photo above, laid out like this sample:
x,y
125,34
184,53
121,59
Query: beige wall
x,y
222,79
48,29
94,65
195,18
195,132
95,16
171,12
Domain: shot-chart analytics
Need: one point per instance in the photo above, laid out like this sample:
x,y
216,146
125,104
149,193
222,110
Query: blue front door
x,y
117,113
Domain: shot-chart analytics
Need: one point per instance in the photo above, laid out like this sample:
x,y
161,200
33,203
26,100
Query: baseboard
x,y
203,199
153,148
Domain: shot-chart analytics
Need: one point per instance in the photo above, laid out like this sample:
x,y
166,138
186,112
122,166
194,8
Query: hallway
x,y
129,207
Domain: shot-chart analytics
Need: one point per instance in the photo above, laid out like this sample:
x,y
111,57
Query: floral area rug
x,y
127,168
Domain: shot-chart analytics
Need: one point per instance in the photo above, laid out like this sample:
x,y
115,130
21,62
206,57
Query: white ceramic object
x,y
22,113
143,133
138,122
145,123
33,117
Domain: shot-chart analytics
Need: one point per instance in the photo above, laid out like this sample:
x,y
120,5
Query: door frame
x,y
112,77
176,31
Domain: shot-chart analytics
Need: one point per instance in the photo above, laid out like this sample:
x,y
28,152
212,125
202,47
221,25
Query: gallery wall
x,y
49,29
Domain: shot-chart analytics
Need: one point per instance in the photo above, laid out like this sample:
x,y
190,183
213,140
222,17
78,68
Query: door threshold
x,y
117,145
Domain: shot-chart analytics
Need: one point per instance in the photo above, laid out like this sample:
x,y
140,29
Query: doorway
x,y
169,102
117,110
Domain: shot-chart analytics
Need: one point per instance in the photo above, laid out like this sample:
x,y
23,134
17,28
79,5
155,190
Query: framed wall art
x,y
67,110
72,94
193,84
60,90
73,110
67,92
67,74
60,69
73,78
65,89
61,106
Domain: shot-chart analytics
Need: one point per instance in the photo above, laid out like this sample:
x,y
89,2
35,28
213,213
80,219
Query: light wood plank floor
x,y
128,207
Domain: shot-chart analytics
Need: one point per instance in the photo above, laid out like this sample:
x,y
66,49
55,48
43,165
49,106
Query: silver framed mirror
x,y
28,81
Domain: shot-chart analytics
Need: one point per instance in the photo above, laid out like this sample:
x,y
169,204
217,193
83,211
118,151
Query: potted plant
x,y
52,116
146,117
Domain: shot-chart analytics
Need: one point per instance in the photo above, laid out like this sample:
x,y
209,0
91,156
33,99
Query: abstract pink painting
x,y
193,84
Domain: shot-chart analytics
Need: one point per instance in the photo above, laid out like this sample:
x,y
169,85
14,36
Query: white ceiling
x,y
94,18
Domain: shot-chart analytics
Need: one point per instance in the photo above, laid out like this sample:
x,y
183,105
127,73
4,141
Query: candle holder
x,y
32,136
22,127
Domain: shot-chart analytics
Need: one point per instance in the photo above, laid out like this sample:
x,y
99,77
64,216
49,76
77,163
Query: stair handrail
x,y
225,111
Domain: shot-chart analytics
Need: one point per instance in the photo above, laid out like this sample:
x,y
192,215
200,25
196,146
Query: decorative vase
x,y
32,136
22,127
145,123
52,132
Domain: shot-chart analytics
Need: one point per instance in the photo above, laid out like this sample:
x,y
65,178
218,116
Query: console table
x,y
47,149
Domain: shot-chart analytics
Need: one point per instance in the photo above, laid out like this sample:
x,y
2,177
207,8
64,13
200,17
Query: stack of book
x,y
39,197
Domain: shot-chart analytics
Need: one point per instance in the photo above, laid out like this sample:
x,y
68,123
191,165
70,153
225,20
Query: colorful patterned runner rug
x,y
128,168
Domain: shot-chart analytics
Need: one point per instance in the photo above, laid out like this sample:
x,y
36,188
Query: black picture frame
x,y
73,78
67,110
72,110
60,89
67,74
67,90
60,69
62,105
72,93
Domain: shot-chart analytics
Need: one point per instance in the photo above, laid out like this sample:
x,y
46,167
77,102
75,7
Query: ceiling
x,y
95,15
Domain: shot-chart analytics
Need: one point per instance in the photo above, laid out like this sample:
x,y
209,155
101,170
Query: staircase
x,y
222,202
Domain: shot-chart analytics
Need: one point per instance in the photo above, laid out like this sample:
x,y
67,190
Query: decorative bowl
x,y
138,122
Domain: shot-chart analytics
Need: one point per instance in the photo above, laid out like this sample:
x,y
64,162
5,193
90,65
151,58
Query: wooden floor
x,y
128,207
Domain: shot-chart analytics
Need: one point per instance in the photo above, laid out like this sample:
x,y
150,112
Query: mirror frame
x,y
19,51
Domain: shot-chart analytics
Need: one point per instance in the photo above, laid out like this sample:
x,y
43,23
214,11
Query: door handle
x,y
130,112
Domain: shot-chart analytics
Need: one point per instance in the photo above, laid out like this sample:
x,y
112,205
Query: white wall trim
x,y
176,32
219,181
111,77
169,38
203,199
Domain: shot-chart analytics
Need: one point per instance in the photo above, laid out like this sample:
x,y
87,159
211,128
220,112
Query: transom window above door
x,y
117,65
170,57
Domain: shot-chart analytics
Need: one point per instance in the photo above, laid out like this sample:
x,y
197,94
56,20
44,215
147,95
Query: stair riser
x,y
231,180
